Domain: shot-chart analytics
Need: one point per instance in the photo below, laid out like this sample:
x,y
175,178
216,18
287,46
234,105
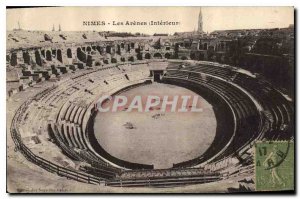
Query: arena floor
x,y
157,138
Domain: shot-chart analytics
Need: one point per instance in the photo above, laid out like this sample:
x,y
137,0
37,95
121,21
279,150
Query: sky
x,y
214,18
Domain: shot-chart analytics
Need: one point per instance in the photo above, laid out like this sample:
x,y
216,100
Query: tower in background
x,y
200,22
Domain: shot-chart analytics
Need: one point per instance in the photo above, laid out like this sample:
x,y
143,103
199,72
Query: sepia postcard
x,y
150,99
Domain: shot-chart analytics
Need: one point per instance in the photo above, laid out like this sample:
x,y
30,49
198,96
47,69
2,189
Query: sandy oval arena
x,y
153,137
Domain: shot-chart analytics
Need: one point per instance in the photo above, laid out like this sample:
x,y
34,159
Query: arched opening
x,y
78,53
89,61
97,63
118,49
193,56
167,55
81,55
113,60
105,61
48,55
205,46
132,45
157,76
59,55
122,45
210,52
138,50
83,49
26,57
157,56
54,53
139,56
201,56
123,59
184,58
147,56
38,59
187,44
13,60
69,53
131,59
94,47
99,49
108,49
88,49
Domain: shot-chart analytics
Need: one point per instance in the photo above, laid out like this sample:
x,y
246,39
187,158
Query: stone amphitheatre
x,y
57,141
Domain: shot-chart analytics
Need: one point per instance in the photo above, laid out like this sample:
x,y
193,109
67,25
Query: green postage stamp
x,y
274,166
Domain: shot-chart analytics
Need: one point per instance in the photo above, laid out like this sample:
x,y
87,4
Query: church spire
x,y
200,23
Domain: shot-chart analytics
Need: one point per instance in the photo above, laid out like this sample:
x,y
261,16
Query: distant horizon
x,y
139,32
214,18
